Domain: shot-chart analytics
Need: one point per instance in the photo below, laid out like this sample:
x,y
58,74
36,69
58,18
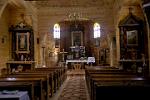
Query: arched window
x,y
97,32
56,31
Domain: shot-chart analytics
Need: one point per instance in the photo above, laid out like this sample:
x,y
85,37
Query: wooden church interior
x,y
98,48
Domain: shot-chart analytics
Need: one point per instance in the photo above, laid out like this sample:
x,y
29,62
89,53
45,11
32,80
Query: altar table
x,y
90,60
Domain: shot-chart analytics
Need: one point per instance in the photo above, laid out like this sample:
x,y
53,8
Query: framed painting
x,y
22,42
77,38
132,37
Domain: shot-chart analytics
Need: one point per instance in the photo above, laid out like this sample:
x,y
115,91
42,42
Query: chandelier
x,y
74,16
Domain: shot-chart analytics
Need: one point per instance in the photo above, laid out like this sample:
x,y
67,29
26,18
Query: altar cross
x,y
63,54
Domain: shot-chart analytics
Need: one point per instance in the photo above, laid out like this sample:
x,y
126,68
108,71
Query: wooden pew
x,y
62,71
100,78
117,88
48,75
104,71
90,78
53,78
46,84
56,76
60,74
37,84
21,86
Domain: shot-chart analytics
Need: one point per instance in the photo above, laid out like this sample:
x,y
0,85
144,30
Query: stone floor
x,y
74,88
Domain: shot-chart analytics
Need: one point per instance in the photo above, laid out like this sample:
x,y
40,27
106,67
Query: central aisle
x,y
74,88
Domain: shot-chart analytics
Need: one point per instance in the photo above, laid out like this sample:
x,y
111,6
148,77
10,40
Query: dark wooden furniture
x,y
126,88
37,82
113,83
133,40
45,81
21,86
13,66
46,84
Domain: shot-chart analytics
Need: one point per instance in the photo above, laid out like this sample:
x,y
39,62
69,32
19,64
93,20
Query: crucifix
x,y
63,55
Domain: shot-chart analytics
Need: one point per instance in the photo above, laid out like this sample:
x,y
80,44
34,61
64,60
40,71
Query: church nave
x,y
74,49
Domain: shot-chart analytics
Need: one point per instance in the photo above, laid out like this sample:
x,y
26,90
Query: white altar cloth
x,y
77,61
89,60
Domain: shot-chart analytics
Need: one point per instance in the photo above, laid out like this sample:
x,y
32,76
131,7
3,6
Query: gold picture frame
x,y
22,42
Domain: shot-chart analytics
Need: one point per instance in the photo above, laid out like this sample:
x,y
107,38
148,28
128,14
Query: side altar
x,y
22,47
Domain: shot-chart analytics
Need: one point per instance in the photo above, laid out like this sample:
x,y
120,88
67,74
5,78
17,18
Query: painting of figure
x,y
22,43
132,37
77,38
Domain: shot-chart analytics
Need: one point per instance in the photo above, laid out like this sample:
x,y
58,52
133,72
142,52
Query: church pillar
x,y
43,56
146,6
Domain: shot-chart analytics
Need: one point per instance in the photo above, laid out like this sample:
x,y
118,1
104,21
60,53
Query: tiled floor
x,y
74,88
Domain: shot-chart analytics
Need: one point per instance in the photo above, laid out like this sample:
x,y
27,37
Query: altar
x,y
76,61
79,62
